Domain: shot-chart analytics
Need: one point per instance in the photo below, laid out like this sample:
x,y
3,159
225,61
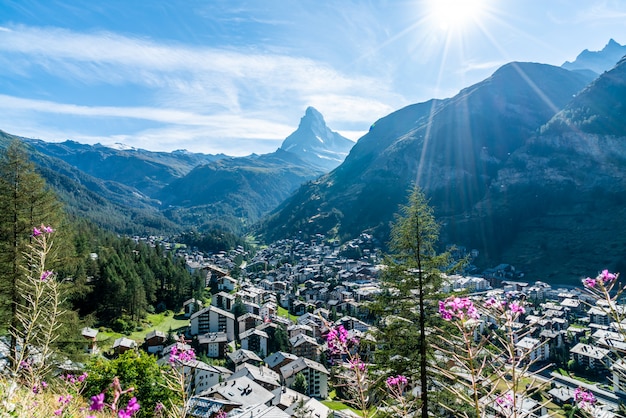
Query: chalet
x,y
190,306
312,407
226,283
268,309
241,356
91,336
224,301
262,375
155,341
618,374
285,397
305,346
213,344
279,359
123,344
254,340
241,391
249,321
315,373
295,330
201,376
532,349
598,315
212,319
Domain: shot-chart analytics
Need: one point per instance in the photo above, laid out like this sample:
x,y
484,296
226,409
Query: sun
x,y
455,14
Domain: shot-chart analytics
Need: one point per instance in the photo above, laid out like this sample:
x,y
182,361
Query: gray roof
x,y
278,357
241,390
302,363
243,355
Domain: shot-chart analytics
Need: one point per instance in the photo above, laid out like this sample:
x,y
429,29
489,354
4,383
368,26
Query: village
x,y
267,327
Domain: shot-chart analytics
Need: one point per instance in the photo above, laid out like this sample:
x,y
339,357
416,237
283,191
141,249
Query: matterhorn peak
x,y
314,142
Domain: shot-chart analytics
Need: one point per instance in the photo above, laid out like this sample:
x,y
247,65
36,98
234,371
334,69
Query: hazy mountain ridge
x,y
191,189
597,61
146,171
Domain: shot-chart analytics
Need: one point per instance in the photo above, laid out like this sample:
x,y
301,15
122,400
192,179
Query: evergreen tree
x,y
413,273
300,384
25,202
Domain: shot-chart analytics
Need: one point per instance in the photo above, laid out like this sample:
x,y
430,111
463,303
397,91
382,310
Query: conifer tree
x,y
25,202
413,273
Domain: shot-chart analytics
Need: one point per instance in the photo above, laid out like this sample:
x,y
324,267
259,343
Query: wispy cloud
x,y
232,93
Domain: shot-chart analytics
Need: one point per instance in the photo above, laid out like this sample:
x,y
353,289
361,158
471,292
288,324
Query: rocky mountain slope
x,y
564,190
316,144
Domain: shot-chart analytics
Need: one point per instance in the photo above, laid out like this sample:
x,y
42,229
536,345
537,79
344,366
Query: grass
x,y
285,314
339,406
160,322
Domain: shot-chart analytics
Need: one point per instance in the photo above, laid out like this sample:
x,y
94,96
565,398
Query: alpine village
x,y
461,259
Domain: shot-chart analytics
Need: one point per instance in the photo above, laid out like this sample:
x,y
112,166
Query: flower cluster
x,y
505,401
131,408
397,381
42,230
460,308
98,404
604,278
583,398
63,402
70,378
178,355
357,363
337,340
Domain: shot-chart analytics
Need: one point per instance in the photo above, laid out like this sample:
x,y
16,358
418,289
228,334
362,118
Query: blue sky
x,y
236,76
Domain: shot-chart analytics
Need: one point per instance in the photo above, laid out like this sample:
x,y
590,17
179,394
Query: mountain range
x,y
524,166
125,189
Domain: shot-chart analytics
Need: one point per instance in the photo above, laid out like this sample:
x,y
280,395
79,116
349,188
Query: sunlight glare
x,y
455,14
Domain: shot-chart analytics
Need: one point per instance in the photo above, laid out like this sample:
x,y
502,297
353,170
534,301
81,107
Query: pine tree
x,y
413,272
25,202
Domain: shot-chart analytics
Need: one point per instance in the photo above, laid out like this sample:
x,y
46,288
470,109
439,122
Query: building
x,y
254,340
123,344
316,376
213,319
590,356
155,341
532,349
214,344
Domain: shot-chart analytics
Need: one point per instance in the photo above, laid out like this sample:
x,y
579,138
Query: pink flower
x,y
36,232
606,276
337,340
461,308
398,380
131,408
181,355
583,397
516,308
589,282
97,402
47,229
46,275
505,401
357,364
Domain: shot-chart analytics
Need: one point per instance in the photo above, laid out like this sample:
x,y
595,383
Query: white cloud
x,y
227,93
